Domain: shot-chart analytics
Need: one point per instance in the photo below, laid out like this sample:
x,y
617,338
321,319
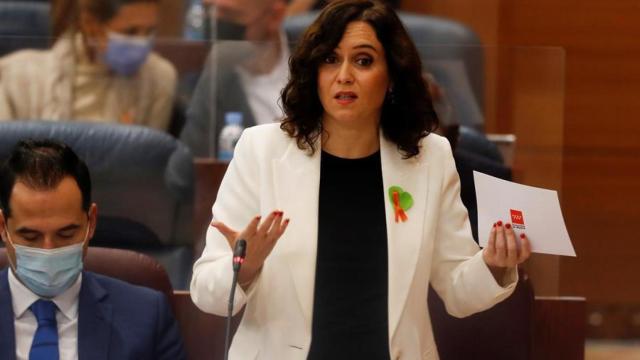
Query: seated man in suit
x,y
49,307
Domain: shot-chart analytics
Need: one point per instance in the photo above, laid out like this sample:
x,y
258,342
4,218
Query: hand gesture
x,y
260,237
503,251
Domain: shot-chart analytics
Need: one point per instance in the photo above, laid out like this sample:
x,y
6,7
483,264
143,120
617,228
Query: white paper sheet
x,y
534,211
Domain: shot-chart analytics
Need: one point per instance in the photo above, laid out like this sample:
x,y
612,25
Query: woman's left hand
x,y
502,250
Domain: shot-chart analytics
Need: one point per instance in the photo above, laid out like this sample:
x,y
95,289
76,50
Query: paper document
x,y
534,211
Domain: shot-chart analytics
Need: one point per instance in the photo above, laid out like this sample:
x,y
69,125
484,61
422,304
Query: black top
x,y
350,312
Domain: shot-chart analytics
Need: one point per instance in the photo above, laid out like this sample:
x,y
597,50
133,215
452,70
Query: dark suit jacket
x,y
218,91
116,320
466,163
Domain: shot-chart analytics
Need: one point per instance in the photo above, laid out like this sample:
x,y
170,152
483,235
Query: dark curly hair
x,y
407,116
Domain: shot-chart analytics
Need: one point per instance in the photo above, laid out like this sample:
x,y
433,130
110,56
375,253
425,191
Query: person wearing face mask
x,y
245,72
49,307
101,68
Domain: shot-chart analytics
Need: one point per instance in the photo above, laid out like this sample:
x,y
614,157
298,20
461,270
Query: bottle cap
x,y
233,118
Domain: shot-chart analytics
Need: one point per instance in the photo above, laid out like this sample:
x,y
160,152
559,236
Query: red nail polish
x,y
522,236
507,225
494,224
499,223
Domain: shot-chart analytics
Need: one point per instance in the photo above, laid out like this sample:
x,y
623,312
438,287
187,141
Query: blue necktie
x,y
45,341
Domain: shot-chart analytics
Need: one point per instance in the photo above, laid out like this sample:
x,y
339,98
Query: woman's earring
x,y
391,96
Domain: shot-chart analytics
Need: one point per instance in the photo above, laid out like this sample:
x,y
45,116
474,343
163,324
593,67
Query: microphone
x,y
239,252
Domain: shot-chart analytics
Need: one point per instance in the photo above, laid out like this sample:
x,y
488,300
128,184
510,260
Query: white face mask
x,y
48,272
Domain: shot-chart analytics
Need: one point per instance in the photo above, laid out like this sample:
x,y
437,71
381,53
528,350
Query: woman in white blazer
x,y
372,204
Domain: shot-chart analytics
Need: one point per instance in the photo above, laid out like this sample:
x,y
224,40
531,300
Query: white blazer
x,y
434,246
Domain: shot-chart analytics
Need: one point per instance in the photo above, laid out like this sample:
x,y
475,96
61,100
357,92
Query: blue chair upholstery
x,y
142,182
24,24
449,50
474,141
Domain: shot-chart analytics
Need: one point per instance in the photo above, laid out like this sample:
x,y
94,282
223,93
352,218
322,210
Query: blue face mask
x,y
125,54
48,272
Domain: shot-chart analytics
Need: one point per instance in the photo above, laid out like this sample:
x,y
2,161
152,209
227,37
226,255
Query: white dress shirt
x,y
263,91
26,324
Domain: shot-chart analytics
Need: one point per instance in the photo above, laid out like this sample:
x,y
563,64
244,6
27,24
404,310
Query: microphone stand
x,y
239,252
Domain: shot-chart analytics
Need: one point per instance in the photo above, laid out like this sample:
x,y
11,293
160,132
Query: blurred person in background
x,y
101,68
246,70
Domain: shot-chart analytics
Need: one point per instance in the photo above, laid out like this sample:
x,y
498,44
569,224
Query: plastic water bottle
x,y
194,25
229,135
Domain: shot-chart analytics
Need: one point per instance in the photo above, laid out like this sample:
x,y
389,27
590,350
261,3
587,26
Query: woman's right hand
x,y
260,237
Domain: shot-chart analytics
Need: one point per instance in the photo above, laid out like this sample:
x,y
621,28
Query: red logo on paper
x,y
516,217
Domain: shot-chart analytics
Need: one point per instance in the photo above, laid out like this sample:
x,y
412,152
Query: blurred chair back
x,y
450,51
502,332
24,24
136,172
209,174
126,265
142,181
196,325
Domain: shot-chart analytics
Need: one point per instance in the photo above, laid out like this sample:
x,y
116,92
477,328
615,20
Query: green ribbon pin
x,y
402,201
